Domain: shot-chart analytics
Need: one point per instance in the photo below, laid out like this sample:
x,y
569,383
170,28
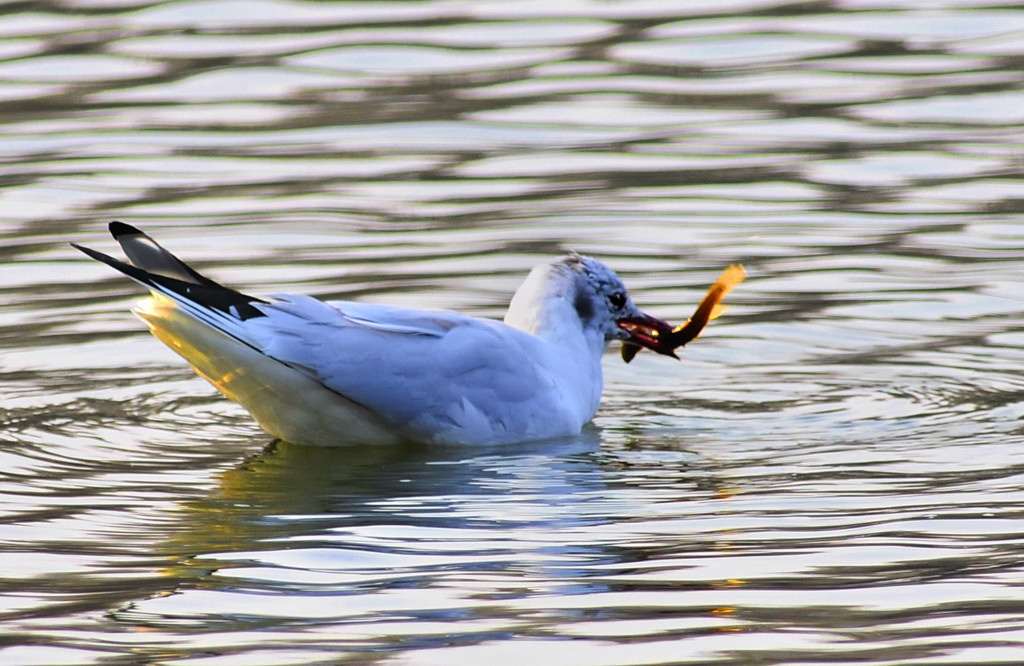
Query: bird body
x,y
345,372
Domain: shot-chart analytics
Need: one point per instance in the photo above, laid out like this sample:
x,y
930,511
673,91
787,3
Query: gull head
x,y
576,294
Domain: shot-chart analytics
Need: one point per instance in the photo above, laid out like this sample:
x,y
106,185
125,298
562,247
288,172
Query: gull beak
x,y
646,331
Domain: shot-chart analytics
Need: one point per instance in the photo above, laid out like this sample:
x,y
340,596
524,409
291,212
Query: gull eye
x,y
617,299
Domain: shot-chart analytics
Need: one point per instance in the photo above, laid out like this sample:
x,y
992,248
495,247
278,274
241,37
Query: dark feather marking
x,y
207,294
120,229
584,306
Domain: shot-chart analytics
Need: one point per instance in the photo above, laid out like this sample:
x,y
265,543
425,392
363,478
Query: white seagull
x,y
342,372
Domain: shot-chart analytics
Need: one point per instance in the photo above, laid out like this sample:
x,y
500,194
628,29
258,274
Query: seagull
x,y
345,372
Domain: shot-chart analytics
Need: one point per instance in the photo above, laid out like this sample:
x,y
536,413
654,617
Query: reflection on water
x,y
830,473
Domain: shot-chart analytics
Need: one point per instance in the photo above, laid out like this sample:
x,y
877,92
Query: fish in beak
x,y
646,331
663,338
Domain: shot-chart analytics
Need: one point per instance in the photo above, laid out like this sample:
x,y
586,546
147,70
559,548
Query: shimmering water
x,y
833,473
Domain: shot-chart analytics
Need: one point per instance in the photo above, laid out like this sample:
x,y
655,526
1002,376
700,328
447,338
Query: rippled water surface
x,y
832,473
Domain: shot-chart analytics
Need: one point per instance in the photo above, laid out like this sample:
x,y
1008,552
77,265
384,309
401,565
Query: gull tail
x,y
154,267
224,335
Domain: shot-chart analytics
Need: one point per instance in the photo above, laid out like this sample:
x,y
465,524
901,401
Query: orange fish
x,y
710,308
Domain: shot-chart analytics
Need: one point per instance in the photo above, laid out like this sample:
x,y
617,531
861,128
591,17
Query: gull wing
x,y
425,371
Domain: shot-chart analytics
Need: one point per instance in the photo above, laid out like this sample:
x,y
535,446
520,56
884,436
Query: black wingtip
x,y
199,290
107,259
121,229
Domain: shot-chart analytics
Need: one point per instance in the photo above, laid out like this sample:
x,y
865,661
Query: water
x,y
831,474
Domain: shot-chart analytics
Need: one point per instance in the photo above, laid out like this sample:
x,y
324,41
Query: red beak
x,y
646,331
